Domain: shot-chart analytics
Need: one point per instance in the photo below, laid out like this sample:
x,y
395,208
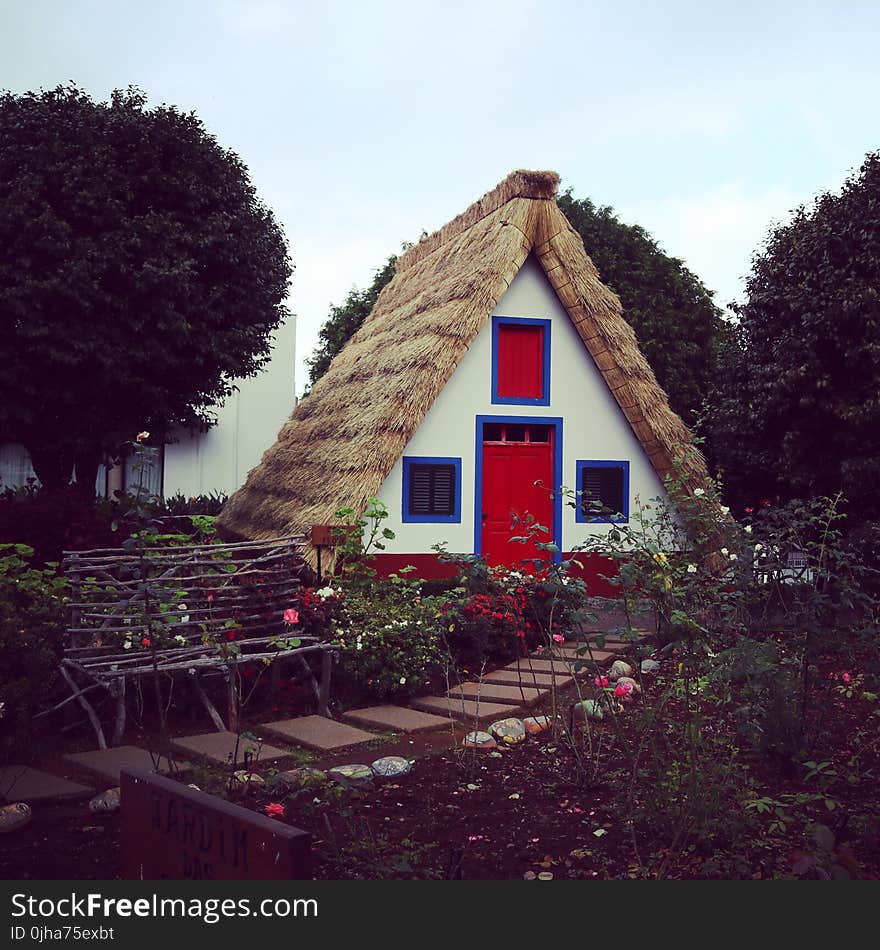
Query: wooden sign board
x,y
175,833
329,535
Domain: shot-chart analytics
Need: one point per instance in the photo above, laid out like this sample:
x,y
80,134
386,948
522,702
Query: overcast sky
x,y
364,124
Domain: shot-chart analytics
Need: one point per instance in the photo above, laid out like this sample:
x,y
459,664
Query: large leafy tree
x,y
345,319
139,274
677,323
678,326
797,410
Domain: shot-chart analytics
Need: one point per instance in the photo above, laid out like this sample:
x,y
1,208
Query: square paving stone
x,y
493,693
20,783
220,748
396,719
107,763
319,732
529,678
465,710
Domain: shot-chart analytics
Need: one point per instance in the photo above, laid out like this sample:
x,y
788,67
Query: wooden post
x,y
324,694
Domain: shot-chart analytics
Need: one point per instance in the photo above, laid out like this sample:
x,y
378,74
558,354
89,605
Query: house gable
x,y
592,425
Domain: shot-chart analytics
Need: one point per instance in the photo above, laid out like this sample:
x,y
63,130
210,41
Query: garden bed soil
x,y
528,811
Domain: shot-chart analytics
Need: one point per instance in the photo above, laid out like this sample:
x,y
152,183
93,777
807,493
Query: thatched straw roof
x,y
345,437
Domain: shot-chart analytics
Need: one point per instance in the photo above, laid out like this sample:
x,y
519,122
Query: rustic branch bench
x,y
144,611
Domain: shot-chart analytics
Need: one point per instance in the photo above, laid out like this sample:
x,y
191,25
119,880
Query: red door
x,y
515,457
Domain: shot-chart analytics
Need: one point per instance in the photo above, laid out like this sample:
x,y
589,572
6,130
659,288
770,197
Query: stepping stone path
x,y
352,776
479,740
525,677
515,695
319,733
463,709
107,763
396,719
223,748
20,783
391,766
494,698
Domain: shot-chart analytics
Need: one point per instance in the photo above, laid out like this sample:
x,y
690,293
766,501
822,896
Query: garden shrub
x,y
31,644
391,647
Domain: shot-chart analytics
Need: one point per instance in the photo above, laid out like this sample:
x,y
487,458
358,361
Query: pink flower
x,y
619,690
601,682
846,678
274,810
291,615
141,436
558,638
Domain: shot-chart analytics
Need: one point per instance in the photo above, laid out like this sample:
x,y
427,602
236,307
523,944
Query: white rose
x,y
692,568
748,529
699,492
402,680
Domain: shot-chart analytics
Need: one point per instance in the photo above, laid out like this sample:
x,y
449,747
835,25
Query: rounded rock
x,y
247,781
391,766
479,740
619,668
14,816
587,709
106,802
650,666
508,731
300,778
537,724
352,776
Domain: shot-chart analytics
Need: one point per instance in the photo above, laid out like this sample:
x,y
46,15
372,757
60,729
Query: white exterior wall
x,y
247,424
593,426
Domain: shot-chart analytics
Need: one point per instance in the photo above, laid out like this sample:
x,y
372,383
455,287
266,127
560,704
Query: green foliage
x,y
678,326
31,642
345,320
796,411
391,646
139,274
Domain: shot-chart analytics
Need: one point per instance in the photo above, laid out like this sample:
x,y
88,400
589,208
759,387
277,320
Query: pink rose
x,y
558,638
291,615
274,810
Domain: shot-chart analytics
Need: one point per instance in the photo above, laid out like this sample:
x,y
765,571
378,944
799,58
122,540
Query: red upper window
x,y
520,361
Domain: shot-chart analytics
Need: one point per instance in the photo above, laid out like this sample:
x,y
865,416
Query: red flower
x,y
748,511
274,810
145,641
520,633
230,635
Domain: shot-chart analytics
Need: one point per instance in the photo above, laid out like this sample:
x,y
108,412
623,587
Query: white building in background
x,y
247,424
202,463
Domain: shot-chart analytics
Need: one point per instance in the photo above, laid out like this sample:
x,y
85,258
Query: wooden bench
x,y
160,612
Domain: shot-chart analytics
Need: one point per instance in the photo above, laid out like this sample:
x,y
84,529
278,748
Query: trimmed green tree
x,y
139,275
797,411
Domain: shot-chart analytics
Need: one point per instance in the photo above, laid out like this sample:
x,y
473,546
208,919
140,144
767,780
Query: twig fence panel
x,y
144,610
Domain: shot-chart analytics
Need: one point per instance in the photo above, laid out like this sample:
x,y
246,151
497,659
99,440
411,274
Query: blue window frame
x,y
431,490
544,398
606,482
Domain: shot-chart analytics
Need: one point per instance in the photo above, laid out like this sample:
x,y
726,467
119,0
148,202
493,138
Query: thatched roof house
x,y
343,441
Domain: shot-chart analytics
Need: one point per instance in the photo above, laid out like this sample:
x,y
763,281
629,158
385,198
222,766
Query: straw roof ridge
x,y
541,185
345,437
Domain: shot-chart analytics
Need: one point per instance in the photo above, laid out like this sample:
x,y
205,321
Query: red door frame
x,y
555,423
